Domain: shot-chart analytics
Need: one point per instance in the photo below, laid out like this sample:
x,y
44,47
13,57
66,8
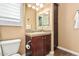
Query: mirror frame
x,y
42,15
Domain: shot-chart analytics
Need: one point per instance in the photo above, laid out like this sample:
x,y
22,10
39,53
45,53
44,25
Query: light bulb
x,y
41,5
33,7
29,5
37,9
37,4
46,13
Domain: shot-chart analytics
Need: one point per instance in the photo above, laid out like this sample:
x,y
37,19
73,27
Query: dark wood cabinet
x,y
47,44
37,45
41,45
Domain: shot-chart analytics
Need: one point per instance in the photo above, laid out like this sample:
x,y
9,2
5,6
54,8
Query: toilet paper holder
x,y
29,42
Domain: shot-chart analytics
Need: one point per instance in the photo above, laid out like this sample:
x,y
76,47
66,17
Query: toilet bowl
x,y
10,47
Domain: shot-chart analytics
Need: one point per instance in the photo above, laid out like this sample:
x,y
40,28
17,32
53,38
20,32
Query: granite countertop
x,y
33,34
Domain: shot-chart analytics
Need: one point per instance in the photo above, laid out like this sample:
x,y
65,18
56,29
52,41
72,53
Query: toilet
x,y
10,47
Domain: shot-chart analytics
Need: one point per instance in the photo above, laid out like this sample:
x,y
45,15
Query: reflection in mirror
x,y
43,19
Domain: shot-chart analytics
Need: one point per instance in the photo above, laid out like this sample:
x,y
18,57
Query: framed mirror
x,y
44,18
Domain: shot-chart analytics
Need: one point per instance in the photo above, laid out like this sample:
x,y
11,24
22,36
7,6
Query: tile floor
x,y
59,52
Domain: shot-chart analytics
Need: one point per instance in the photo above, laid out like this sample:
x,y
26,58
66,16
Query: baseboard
x,y
67,50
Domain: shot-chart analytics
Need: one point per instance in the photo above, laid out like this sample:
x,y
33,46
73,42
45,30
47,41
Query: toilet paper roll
x,y
28,46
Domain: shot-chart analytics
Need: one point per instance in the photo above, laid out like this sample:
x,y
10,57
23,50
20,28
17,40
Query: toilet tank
x,y
10,47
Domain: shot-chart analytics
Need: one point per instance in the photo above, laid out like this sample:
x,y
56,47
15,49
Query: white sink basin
x,y
37,33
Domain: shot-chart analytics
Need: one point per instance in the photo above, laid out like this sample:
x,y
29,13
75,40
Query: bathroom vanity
x,y
40,43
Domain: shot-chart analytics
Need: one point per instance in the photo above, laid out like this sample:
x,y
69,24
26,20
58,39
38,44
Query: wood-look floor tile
x,y
59,52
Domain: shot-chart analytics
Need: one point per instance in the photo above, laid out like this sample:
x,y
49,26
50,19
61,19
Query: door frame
x,y
55,26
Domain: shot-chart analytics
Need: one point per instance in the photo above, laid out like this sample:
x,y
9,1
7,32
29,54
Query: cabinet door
x,y
47,44
44,44
37,46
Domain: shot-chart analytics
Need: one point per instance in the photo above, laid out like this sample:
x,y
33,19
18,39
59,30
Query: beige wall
x,y
8,32
68,36
31,15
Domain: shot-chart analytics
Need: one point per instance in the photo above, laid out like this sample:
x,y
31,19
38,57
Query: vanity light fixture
x,y
29,5
37,4
37,9
33,7
41,5
46,13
